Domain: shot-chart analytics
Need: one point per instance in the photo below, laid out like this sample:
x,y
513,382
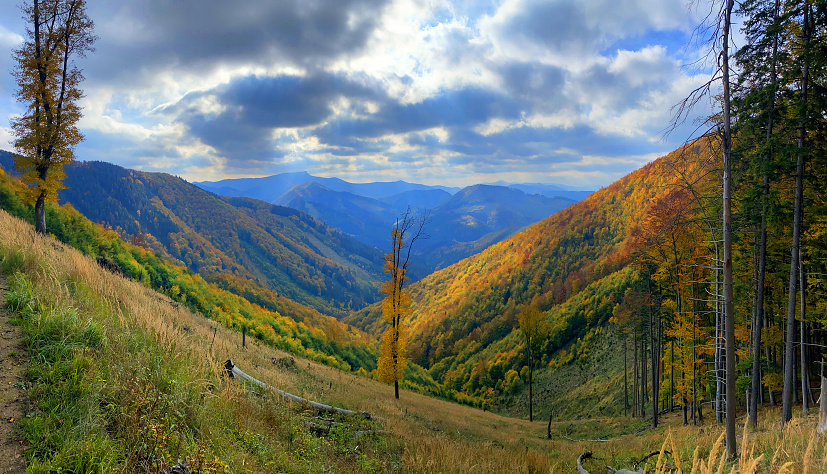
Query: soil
x,y
13,402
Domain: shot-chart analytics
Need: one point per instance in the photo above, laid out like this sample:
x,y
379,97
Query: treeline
x,y
675,316
271,318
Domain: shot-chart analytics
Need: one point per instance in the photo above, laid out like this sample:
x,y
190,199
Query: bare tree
x,y
719,26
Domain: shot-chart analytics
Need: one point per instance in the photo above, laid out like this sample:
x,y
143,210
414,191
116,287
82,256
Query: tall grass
x,y
122,380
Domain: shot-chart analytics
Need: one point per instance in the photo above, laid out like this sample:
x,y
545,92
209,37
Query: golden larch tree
x,y
397,302
48,83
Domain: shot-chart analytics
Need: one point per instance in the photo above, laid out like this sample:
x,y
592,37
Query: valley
x,y
385,236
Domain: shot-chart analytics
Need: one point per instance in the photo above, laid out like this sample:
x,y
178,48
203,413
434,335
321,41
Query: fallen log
x,y
580,468
234,371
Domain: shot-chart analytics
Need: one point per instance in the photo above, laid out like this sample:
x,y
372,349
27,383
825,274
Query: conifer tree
x,y
757,110
48,84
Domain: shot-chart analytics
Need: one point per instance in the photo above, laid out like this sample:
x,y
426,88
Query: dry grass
x,y
249,433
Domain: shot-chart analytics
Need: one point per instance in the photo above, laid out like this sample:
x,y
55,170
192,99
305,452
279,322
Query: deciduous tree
x,y
397,303
48,82
535,328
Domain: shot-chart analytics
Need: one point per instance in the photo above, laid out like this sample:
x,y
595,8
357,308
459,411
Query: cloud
x,y
9,39
451,109
140,37
239,119
443,89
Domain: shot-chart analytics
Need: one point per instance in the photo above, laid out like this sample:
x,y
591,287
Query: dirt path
x,y
13,360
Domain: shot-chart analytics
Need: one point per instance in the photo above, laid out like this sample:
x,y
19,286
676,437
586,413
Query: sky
x,y
458,92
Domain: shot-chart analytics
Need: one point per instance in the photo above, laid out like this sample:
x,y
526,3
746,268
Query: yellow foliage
x,y
774,381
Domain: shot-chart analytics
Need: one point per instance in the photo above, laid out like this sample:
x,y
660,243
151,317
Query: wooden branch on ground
x,y
590,440
653,453
234,371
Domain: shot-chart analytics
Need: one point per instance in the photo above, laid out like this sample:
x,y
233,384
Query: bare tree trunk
x,y
655,385
530,391
729,307
40,214
719,381
789,353
625,379
822,410
635,375
694,353
644,394
672,377
802,345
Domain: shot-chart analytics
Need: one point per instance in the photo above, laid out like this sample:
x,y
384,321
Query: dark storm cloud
x,y
289,101
451,109
143,36
561,26
242,115
240,119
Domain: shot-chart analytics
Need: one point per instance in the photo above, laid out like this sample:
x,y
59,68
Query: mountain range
x,y
292,252
462,221
463,336
271,188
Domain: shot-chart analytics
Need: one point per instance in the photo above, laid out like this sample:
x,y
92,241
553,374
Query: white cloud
x,y
9,39
6,138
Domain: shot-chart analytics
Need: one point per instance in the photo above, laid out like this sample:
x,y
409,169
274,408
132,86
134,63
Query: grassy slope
x,y
125,382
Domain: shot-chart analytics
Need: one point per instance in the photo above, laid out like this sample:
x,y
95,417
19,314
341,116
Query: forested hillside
x,y
574,266
231,301
224,239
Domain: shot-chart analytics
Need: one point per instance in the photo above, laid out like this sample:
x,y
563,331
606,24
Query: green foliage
x,y
110,396
62,433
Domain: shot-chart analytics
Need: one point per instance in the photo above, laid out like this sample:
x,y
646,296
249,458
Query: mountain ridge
x,y
276,247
